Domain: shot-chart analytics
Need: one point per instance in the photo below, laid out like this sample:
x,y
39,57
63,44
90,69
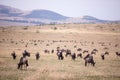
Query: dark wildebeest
x,y
89,59
118,54
46,51
58,49
106,53
37,55
79,55
63,50
13,55
79,49
103,56
52,51
60,55
85,51
26,53
24,60
68,52
94,51
73,56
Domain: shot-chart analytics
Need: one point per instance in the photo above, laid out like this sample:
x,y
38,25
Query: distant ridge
x,y
10,11
89,17
10,14
45,14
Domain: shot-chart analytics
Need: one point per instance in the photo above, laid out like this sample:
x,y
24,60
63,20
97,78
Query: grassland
x,y
104,37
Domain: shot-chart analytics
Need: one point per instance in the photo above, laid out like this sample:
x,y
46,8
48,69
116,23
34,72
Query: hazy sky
x,y
102,9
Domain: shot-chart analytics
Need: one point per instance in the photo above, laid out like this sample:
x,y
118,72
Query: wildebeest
x,y
60,55
103,56
58,49
89,59
79,49
118,54
63,50
26,53
13,55
73,56
68,52
94,51
52,51
79,55
37,55
46,51
85,51
23,60
106,53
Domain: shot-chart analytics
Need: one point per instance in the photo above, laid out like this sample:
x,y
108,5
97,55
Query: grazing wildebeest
x,y
26,53
85,51
73,56
79,49
94,51
89,59
52,51
46,51
106,53
24,60
79,55
37,55
60,55
63,50
68,52
103,56
118,54
58,48
13,55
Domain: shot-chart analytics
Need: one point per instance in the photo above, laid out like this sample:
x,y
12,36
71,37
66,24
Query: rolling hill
x,y
10,14
45,14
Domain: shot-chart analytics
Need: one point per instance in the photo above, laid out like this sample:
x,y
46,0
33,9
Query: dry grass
x,y
104,37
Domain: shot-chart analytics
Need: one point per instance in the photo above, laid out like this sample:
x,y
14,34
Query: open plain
x,y
103,37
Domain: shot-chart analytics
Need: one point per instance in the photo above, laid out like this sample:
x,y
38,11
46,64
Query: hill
x,y
10,14
45,14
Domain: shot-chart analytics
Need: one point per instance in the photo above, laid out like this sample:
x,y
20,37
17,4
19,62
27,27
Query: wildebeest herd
x,y
23,60
61,54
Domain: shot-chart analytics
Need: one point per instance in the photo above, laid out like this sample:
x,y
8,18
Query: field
x,y
103,37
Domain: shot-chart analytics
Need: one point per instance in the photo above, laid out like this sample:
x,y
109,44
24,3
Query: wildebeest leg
x,y
62,57
58,57
14,57
103,57
21,66
92,62
26,66
65,55
18,66
85,63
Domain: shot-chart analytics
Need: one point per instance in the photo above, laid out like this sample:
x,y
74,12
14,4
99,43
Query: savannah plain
x,y
103,37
